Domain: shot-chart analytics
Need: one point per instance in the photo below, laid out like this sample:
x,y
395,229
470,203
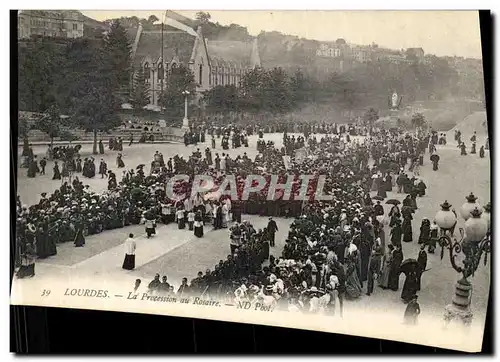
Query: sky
x,y
451,33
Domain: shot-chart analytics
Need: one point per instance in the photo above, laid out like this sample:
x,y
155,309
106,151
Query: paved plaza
x,y
178,253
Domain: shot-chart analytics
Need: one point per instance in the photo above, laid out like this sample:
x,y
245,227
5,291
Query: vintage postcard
x,y
321,170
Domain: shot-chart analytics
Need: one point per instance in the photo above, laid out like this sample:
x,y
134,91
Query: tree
x,y
371,116
94,100
203,17
222,99
299,88
50,123
96,111
152,19
140,92
117,60
180,79
418,120
275,91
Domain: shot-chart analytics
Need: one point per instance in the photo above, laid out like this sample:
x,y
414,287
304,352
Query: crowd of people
x,y
332,249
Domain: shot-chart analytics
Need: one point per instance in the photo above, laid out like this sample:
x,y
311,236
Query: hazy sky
x,y
437,32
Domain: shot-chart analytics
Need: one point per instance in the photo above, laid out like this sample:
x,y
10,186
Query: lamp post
x,y
472,245
185,121
469,206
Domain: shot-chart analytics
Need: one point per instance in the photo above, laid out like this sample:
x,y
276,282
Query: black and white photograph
x,y
318,170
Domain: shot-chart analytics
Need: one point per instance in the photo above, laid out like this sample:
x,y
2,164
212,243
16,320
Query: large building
x,y
55,23
212,62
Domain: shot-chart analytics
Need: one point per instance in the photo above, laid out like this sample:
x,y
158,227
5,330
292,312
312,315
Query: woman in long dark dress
x,y
425,230
119,161
410,286
57,173
198,225
407,229
27,268
364,253
79,237
79,165
397,259
32,168
396,233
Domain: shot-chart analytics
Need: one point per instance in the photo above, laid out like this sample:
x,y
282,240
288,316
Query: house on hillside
x,y
53,23
418,53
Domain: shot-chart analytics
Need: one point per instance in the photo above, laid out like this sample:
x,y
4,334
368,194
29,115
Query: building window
x,y
201,74
216,76
75,26
209,78
147,73
160,71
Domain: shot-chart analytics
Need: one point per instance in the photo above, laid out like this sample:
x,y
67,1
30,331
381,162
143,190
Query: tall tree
x,y
50,122
203,17
180,79
276,91
94,100
222,99
140,92
117,59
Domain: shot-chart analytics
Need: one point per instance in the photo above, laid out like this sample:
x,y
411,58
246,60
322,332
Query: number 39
x,y
45,293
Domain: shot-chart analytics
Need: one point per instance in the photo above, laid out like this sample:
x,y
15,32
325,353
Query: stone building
x,y
230,60
55,23
212,62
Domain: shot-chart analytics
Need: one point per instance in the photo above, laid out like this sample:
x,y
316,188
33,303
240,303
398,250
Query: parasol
x,y
140,166
393,202
378,198
409,265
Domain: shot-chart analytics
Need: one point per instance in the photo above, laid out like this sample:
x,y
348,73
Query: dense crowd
x,y
333,247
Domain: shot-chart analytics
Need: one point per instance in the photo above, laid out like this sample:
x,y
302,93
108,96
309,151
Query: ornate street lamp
x,y
468,206
473,243
486,215
185,121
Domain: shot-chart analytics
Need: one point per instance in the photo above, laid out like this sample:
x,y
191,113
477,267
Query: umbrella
x,y
379,198
140,166
78,148
393,202
409,265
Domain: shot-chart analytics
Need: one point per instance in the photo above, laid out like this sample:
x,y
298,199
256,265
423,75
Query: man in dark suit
x,y
271,229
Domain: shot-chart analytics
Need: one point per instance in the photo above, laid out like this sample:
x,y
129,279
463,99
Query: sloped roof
x,y
236,52
178,44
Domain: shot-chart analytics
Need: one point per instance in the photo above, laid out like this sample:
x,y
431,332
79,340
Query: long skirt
x,y
198,231
26,271
353,286
150,231
383,281
129,262
191,225
181,224
407,231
